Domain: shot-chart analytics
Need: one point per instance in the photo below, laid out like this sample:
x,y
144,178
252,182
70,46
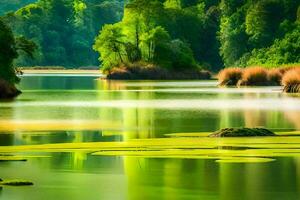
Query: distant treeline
x,y
168,33
64,30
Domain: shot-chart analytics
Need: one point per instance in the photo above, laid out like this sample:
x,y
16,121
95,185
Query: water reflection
x,y
93,111
204,179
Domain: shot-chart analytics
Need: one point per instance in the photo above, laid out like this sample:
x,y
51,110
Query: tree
x,y
9,51
111,46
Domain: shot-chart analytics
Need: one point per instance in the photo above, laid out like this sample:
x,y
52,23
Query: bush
x,y
230,76
275,76
291,81
254,76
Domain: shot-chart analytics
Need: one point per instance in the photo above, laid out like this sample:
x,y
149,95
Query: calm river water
x,y
76,109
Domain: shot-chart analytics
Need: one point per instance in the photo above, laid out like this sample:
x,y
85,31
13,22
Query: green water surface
x,y
80,109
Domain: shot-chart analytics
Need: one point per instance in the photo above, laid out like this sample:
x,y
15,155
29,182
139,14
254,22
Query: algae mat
x,y
223,150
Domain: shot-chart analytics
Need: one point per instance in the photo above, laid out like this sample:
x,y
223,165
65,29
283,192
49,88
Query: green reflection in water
x,y
122,111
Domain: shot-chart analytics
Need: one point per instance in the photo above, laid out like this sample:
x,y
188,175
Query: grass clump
x,y
230,76
291,81
254,76
275,76
260,76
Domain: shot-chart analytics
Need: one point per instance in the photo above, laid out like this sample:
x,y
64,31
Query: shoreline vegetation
x,y
143,71
288,77
11,47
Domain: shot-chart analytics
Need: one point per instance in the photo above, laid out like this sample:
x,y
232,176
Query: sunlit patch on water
x,y
56,125
212,104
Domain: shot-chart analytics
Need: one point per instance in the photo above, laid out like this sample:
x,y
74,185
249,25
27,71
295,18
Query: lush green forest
x,y
170,33
64,30
179,34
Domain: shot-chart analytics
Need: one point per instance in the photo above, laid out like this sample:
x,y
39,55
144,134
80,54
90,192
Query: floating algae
x,y
221,149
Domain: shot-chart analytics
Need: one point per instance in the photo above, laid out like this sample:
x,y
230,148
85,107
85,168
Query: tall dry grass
x,y
275,76
291,81
230,76
254,76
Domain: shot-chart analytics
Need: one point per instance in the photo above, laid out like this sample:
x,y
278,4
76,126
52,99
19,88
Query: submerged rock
x,y
243,132
7,90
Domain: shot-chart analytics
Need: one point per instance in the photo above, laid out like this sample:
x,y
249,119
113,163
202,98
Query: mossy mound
x,y
16,182
7,90
243,132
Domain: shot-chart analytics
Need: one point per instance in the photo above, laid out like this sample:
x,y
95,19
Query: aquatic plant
x,y
291,81
230,76
254,76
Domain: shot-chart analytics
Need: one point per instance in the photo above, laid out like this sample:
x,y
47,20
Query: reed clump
x,y
254,76
230,76
275,76
291,81
288,76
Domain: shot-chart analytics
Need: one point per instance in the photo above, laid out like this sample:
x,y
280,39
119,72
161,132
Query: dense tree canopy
x,y
260,32
211,33
64,29
171,33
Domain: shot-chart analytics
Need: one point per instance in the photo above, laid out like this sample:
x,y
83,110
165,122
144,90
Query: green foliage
x,y
283,51
171,33
10,48
64,29
110,43
259,32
